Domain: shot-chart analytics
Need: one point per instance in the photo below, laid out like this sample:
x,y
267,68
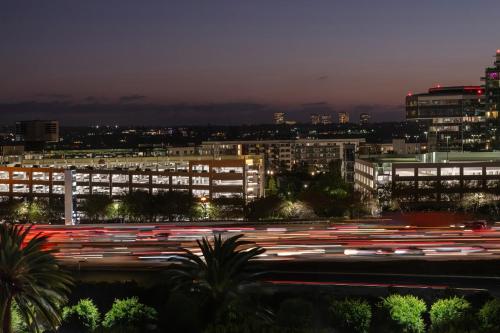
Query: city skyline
x,y
227,63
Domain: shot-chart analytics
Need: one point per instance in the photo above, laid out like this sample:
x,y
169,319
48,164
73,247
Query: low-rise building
x,y
287,154
397,147
402,147
223,177
443,179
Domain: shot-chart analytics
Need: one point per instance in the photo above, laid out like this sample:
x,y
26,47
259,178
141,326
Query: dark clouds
x,y
132,98
91,99
91,111
315,104
55,96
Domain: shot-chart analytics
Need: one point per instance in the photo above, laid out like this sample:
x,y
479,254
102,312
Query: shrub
x,y
405,312
18,324
489,316
450,315
294,313
82,317
351,315
130,315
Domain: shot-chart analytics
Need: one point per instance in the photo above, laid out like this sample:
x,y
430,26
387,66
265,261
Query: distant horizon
x,y
70,114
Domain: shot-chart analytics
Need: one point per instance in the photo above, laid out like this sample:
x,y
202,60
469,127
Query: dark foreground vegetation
x,y
127,307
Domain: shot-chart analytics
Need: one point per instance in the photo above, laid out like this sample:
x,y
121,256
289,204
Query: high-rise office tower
x,y
36,133
492,88
323,119
279,118
343,117
454,117
326,119
492,101
315,119
364,118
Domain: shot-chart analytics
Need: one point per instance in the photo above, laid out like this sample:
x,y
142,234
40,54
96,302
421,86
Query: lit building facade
x,y
326,119
454,115
228,177
321,119
343,117
279,118
287,154
315,119
438,179
492,88
492,100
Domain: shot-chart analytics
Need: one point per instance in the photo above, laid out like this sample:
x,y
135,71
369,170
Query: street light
x,y
204,206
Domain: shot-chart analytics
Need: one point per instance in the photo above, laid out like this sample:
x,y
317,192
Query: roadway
x,y
146,246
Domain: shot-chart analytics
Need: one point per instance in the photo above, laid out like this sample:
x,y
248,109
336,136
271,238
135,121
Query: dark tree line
x,y
142,206
32,210
302,193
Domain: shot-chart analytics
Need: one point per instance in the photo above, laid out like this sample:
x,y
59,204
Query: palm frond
x,y
30,276
220,269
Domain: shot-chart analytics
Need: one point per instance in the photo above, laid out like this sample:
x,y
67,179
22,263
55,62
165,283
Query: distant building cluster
x,y
321,119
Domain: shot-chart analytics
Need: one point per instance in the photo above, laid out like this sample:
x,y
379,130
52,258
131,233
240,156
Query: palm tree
x,y
30,277
220,272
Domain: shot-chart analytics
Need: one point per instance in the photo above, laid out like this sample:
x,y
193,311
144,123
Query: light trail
x,y
158,244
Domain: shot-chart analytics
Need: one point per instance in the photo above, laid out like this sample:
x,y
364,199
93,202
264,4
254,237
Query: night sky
x,y
197,62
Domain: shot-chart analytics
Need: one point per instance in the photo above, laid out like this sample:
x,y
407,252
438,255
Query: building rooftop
x,y
452,90
437,157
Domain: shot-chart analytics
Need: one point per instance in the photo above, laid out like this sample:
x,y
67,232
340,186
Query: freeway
x,y
145,246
